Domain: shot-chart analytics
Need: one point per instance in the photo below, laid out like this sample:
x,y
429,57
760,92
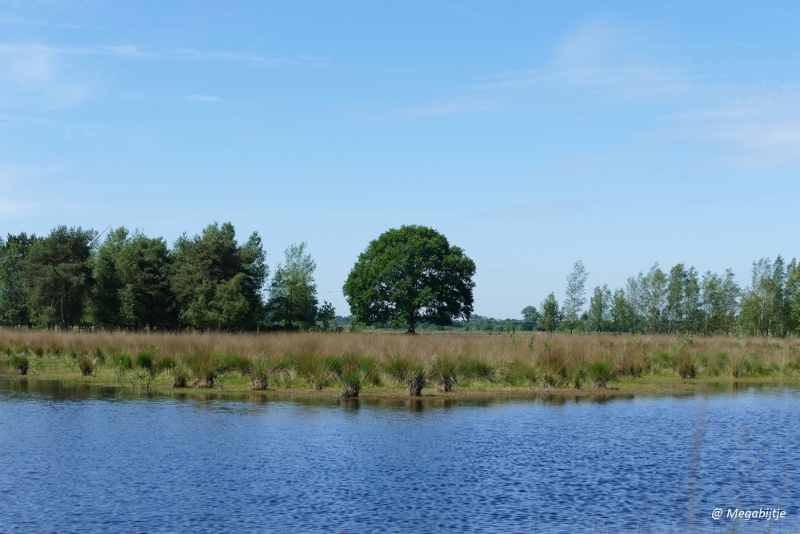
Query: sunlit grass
x,y
384,363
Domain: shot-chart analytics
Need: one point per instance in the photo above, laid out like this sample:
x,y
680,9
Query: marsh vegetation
x,y
393,364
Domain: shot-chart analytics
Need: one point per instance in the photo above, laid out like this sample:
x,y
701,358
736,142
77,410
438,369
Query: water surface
x,y
80,459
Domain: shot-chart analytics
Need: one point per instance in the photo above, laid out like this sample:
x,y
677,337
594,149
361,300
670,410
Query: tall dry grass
x,y
555,360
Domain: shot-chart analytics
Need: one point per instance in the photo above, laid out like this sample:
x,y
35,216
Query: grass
x,y
382,364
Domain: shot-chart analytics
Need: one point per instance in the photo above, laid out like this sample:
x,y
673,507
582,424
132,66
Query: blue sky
x,y
532,134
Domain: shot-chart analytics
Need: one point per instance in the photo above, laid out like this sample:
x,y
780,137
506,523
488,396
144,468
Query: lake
x,y
81,459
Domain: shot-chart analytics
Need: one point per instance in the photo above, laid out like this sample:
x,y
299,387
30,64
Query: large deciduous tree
x,y
408,276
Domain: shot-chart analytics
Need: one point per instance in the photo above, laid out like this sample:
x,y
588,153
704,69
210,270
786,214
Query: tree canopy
x,y
293,292
408,276
56,274
217,282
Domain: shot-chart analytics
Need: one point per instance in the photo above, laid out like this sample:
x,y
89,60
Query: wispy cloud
x,y
174,54
587,67
754,127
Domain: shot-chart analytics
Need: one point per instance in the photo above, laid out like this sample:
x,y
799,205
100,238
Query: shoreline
x,y
641,388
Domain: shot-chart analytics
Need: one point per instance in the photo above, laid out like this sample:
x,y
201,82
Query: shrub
x,y
85,364
99,357
203,366
398,368
741,366
145,360
20,364
516,373
601,373
335,366
370,369
229,363
687,368
165,363
351,384
474,368
444,372
180,376
123,361
260,371
319,372
416,381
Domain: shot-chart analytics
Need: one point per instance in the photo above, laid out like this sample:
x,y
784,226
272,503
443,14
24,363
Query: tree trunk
x,y
411,323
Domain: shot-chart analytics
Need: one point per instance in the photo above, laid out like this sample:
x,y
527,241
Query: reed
x,y
321,360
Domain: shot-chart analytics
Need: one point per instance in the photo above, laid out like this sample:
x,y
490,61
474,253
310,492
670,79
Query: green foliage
x,y
517,373
144,360
260,372
445,372
575,296
351,384
326,314
20,364
411,276
132,287
165,363
230,363
741,365
530,318
320,372
687,367
56,275
123,361
180,376
601,373
368,368
398,368
474,368
217,282
14,305
85,364
599,309
293,292
551,313
204,367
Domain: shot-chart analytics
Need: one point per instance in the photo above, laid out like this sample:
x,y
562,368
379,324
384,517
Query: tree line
x,y
130,281
410,277
680,300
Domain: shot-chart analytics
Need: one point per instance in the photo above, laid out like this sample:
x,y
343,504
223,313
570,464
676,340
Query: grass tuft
x,y
20,364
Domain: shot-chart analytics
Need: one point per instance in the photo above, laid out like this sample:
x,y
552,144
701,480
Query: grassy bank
x,y
383,364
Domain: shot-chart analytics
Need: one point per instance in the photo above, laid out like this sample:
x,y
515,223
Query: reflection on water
x,y
88,458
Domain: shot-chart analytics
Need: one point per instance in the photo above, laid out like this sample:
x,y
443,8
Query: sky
x,y
531,134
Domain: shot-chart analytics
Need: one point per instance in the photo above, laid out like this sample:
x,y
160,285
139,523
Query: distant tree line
x,y
681,300
678,301
134,282
210,281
